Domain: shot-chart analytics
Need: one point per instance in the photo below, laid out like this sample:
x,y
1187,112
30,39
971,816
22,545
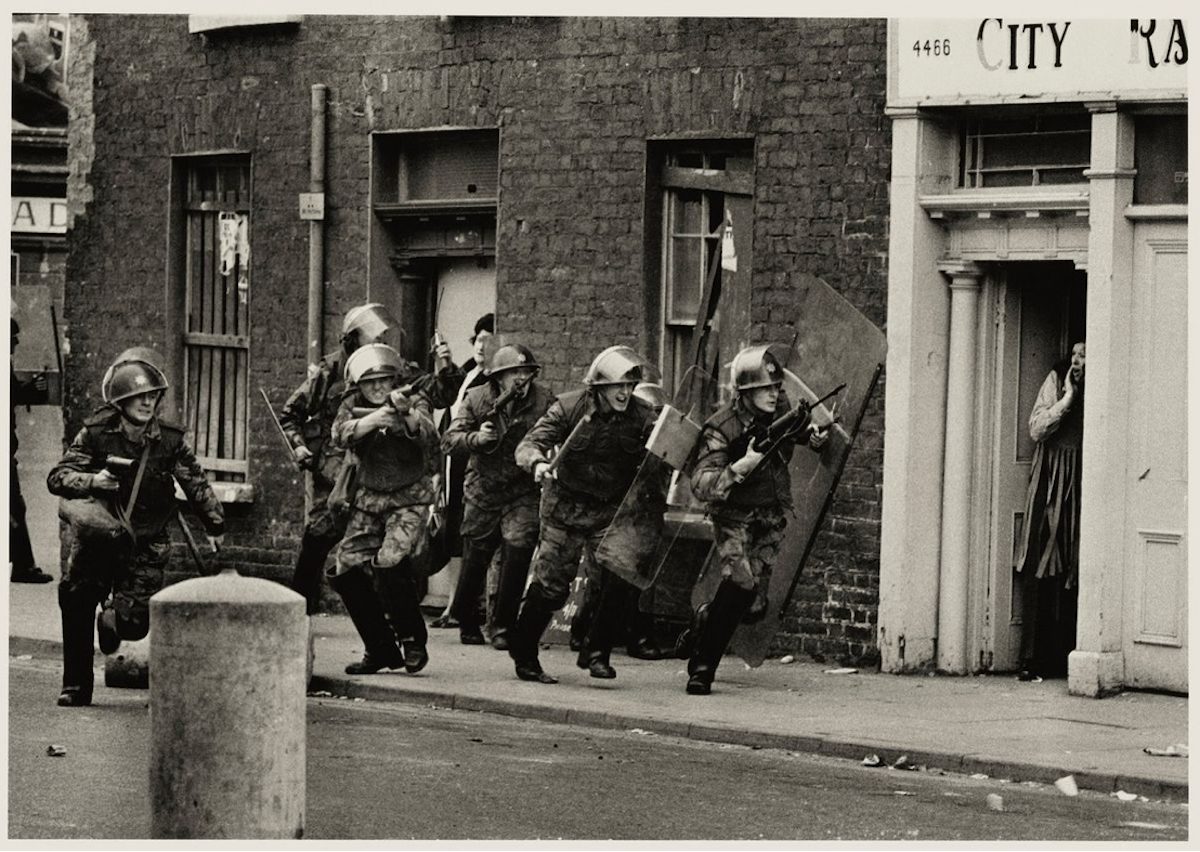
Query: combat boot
x,y
77,611
362,603
401,596
472,578
597,664
514,568
723,615
532,622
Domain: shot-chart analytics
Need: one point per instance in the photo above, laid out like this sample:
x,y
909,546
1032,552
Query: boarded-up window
x,y
217,330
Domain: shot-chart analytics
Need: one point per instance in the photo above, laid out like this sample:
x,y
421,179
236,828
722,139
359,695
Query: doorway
x,y
1040,310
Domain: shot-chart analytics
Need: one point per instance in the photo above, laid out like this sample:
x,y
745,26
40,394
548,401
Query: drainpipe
x,y
316,228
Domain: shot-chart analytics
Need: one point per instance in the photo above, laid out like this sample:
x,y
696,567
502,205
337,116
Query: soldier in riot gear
x,y
387,423
501,499
748,490
118,540
601,433
306,419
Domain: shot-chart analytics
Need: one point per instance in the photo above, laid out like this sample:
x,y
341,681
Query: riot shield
x,y
834,344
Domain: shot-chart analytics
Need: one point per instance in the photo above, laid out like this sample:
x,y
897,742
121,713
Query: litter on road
x,y
1067,786
995,802
1125,797
841,671
1174,750
55,751
872,760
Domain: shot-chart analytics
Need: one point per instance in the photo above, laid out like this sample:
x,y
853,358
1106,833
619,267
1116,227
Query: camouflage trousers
x,y
130,571
748,543
560,549
514,523
384,530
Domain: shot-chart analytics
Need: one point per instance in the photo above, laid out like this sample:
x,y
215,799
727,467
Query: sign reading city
x,y
32,215
1002,60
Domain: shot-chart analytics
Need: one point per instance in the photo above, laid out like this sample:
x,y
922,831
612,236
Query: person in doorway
x,y
22,566
307,420
1047,566
747,486
600,435
501,499
389,426
452,383
118,476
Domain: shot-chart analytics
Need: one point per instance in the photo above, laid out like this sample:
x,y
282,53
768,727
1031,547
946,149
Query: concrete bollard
x,y
228,661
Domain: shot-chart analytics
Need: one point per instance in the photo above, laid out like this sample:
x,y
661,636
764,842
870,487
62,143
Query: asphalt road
x,y
378,770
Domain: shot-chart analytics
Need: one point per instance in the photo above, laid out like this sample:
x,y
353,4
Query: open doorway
x,y
1041,311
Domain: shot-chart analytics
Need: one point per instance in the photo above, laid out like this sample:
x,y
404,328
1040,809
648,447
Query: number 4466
x,y
934,47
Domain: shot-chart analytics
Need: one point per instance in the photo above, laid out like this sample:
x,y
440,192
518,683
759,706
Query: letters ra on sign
x,y
312,205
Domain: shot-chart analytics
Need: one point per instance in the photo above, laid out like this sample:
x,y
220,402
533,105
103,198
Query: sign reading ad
x,y
990,60
39,215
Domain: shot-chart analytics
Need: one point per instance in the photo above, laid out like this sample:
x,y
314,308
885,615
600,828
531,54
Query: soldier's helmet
x,y
514,356
651,393
135,371
616,365
755,367
373,361
369,321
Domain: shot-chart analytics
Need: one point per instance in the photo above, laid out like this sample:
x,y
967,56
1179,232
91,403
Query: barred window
x,y
1027,151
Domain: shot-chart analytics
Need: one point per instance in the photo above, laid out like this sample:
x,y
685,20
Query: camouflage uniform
x,y
501,501
749,516
132,569
395,489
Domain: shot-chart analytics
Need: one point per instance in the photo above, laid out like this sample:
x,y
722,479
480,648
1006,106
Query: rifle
x,y
767,438
282,434
554,462
494,413
119,466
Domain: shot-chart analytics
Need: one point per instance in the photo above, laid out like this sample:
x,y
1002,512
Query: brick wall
x,y
576,100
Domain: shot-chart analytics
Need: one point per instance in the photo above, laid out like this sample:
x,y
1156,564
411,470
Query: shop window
x,y
1028,151
1160,154
697,182
216,311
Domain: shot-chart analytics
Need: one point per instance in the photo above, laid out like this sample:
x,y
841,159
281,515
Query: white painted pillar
x,y
1097,666
954,574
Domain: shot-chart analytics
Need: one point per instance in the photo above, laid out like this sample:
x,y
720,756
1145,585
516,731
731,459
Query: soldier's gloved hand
x,y
302,455
744,466
399,401
817,436
542,471
384,417
487,435
216,542
105,481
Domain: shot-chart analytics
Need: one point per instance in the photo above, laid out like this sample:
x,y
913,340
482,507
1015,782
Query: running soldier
x,y
307,419
118,541
389,427
749,494
501,499
601,433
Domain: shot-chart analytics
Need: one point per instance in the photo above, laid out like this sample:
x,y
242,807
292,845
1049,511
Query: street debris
x,y
1125,797
1174,750
320,694
995,802
24,656
55,751
979,776
359,699
872,760
1067,786
642,732
1158,826
787,659
475,739
901,762
841,671
903,793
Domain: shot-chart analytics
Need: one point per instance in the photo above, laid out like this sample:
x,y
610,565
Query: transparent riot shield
x,y
834,344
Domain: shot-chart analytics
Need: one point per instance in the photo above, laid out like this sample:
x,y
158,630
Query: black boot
x,y
472,579
310,566
401,597
362,603
514,568
607,622
724,614
78,611
532,622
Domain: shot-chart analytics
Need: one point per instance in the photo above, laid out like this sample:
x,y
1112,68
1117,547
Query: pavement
x,y
990,725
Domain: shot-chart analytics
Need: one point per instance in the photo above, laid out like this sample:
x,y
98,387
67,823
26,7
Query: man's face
x,y
376,389
485,347
763,400
509,378
617,397
139,409
1078,357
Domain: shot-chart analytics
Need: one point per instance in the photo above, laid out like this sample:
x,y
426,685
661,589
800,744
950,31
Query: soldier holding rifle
x,y
117,480
501,499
